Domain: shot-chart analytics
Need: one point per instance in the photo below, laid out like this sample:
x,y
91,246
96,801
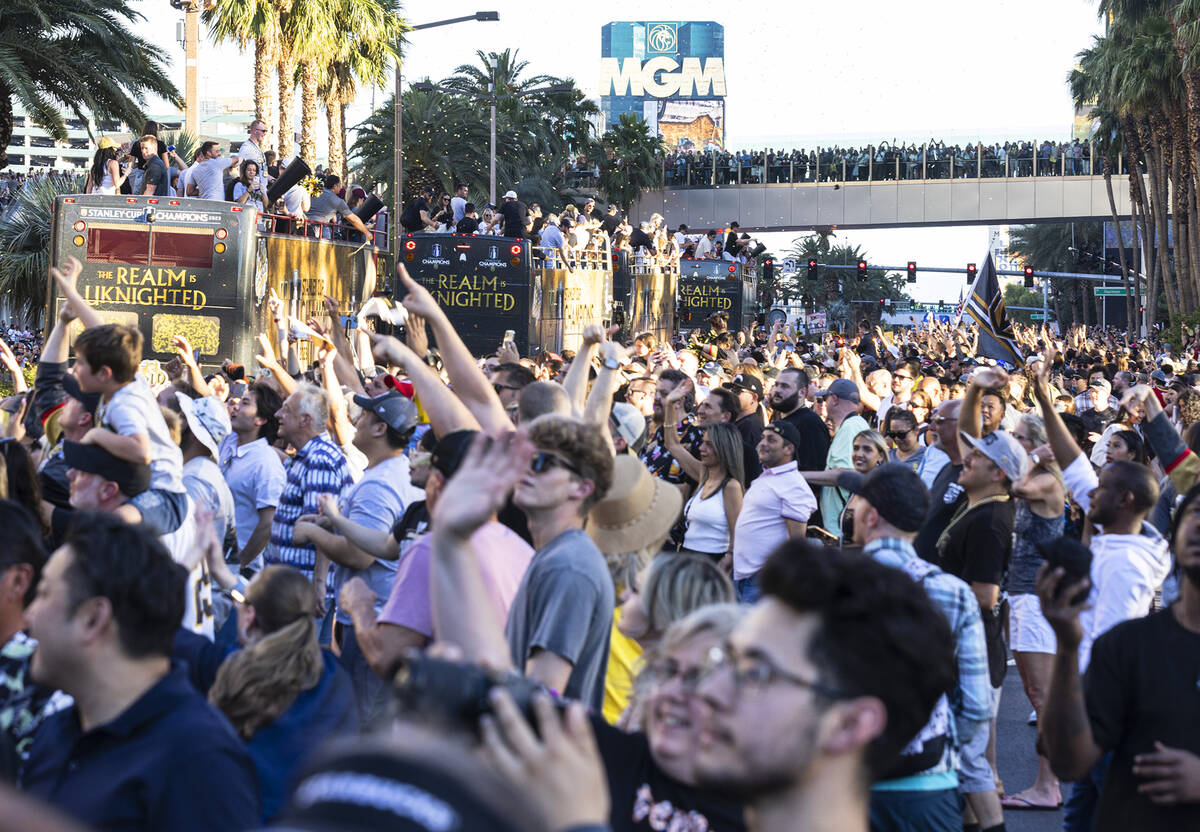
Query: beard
x,y
756,779
786,405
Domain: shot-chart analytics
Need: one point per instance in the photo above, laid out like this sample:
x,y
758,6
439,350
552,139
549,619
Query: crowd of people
x,y
882,162
770,583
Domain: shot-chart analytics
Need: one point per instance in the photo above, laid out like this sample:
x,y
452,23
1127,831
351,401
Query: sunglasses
x,y
545,460
898,434
499,387
937,420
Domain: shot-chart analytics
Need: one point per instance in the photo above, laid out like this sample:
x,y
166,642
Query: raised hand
x,y
990,378
386,349
490,471
1056,596
266,356
67,276
183,349
417,300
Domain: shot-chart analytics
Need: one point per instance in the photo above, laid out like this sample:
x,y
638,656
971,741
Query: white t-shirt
x,y
198,606
133,410
208,177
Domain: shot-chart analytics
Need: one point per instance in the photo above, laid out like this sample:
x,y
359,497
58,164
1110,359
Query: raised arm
x,y
673,411
851,367
66,279
266,359
446,412
183,349
463,613
342,364
577,374
470,384
1061,441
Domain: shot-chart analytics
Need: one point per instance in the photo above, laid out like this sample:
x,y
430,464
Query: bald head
x,y
540,398
945,422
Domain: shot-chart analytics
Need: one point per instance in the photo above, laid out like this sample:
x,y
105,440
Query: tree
x,y
25,243
243,21
632,163
842,290
1047,248
82,56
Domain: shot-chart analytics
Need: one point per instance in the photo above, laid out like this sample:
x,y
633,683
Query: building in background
x,y
671,74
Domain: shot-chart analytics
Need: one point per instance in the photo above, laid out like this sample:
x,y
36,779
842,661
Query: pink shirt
x,y
776,495
503,558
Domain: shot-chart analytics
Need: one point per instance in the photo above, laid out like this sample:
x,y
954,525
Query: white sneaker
x,y
1032,719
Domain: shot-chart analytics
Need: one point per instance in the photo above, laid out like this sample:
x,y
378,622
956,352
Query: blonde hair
x,y
678,584
876,439
1037,436
256,685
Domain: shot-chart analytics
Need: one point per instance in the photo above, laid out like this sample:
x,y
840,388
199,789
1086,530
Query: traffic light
x,y
862,268
768,269
941,306
970,272
912,271
812,268
1029,277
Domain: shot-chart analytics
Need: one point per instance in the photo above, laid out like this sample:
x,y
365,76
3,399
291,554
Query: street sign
x,y
1037,316
1110,291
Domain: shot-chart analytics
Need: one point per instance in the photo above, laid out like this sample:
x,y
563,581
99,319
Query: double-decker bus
x,y
708,286
201,268
488,285
644,293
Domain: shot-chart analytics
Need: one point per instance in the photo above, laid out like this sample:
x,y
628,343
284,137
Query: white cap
x,y
207,419
510,195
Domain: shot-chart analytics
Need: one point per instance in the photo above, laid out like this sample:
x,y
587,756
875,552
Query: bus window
x,y
187,249
117,245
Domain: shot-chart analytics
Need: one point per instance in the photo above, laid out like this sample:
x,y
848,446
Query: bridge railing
x,y
881,164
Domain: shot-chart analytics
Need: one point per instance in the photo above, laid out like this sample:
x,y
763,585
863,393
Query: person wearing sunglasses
x,y
900,428
800,708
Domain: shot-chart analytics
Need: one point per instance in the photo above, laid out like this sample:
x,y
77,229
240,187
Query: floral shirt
x,y
23,703
659,460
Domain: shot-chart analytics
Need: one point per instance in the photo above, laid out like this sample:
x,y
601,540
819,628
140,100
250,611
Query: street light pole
x,y
398,131
492,146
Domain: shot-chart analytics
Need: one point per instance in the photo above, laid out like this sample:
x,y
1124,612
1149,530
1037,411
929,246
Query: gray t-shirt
x,y
133,410
565,605
208,490
376,501
327,207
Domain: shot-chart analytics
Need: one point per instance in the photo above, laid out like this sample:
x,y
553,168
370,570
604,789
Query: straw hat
x,y
639,509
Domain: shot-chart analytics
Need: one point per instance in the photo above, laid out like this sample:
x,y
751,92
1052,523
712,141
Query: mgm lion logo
x,y
662,38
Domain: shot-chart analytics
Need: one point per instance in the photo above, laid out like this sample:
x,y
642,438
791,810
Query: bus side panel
x,y
700,297
302,271
484,284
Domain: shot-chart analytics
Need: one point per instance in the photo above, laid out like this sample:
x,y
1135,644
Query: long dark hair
x,y
243,178
100,162
23,484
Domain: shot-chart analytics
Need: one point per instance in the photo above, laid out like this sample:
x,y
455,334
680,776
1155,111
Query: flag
x,y
985,305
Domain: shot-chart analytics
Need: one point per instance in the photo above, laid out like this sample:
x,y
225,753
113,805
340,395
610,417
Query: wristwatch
x,y
611,363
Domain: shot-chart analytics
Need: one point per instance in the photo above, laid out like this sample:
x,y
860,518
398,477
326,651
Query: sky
x,y
798,74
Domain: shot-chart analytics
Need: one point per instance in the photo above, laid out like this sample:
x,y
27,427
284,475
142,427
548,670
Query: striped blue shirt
x,y
317,468
970,701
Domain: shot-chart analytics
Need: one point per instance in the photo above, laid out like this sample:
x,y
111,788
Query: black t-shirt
x,y
1097,420
945,497
1141,686
156,175
411,218
411,525
639,238
978,546
610,224
866,346
645,798
467,225
515,215
751,429
814,447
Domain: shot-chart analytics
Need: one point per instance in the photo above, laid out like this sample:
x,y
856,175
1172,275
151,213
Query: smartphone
x,y
170,148
509,335
237,389
196,355
1073,557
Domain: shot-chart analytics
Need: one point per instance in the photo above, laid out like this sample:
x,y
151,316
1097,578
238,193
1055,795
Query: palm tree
x,y
445,141
25,243
372,31
80,55
242,21
633,161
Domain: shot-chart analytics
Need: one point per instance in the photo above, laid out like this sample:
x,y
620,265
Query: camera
x,y
455,693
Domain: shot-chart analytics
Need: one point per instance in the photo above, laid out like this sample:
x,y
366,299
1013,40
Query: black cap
x,y
787,431
894,490
131,477
450,451
90,401
745,381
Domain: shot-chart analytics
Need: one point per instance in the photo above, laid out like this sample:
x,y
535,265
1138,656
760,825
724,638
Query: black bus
x,y
708,286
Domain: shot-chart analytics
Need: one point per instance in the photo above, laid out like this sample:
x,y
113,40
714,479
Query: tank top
x,y
1029,529
707,525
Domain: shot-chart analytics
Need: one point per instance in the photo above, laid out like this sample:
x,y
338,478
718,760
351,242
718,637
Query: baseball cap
x,y
894,490
1159,375
745,381
105,143
712,368
843,388
450,451
787,432
90,401
1005,451
131,477
1101,384
394,409
510,194
629,422
207,419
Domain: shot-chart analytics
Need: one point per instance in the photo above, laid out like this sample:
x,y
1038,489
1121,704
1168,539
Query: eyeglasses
x,y
545,460
909,378
499,387
758,673
669,670
937,420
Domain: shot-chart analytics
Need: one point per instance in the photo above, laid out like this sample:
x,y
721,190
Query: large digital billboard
x,y
669,73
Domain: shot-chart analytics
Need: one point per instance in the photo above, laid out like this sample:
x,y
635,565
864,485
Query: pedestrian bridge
x,y
801,206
